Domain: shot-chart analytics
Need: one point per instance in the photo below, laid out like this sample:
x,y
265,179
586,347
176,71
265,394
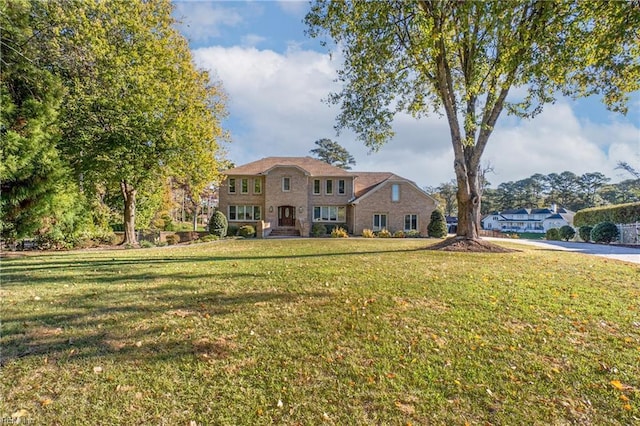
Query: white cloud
x,y
296,8
278,100
252,40
203,20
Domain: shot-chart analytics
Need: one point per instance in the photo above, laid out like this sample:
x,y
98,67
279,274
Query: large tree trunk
x,y
129,195
468,196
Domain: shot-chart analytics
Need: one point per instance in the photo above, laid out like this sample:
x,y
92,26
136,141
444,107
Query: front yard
x,y
308,331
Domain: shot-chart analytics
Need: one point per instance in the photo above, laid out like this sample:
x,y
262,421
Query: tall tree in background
x,y
464,58
333,153
31,171
136,109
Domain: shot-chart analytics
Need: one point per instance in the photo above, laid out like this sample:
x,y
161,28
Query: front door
x,y
286,216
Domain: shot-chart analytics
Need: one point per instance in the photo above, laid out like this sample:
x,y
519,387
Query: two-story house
x,y
290,194
528,220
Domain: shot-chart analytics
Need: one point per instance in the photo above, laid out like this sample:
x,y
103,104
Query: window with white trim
x,y
341,187
232,185
244,186
286,184
395,192
241,213
328,187
316,186
411,222
330,214
257,186
379,221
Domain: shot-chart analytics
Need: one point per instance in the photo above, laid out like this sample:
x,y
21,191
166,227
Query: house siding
x,y
412,201
365,194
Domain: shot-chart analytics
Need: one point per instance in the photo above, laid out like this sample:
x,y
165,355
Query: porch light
x,y
270,209
301,209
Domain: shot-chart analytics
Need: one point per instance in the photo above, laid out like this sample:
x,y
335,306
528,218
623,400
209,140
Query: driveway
x,y
626,254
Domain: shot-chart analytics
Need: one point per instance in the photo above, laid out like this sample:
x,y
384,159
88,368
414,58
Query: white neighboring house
x,y
528,220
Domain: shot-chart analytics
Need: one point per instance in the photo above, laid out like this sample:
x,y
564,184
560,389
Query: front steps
x,y
284,232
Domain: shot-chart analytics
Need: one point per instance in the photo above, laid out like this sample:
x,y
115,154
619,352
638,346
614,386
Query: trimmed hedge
x,y
567,232
621,213
604,232
218,224
585,233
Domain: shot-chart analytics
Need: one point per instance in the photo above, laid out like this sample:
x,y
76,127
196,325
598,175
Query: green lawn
x,y
309,331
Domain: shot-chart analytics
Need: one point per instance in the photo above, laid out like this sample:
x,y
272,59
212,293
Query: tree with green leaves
x,y
31,171
136,109
333,153
463,59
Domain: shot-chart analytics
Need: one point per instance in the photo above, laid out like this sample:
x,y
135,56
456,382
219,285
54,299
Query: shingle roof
x,y
366,181
312,166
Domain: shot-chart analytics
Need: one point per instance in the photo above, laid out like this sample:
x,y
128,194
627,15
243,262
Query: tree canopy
x,y
463,59
333,153
136,109
101,98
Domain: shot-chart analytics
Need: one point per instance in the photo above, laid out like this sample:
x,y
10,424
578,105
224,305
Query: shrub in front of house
x,y
437,227
209,238
412,234
398,234
552,234
318,230
173,239
585,233
604,232
218,224
146,244
339,232
368,233
247,231
383,233
567,232
232,231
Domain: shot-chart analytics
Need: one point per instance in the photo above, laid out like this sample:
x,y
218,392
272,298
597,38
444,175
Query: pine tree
x,y
31,170
438,225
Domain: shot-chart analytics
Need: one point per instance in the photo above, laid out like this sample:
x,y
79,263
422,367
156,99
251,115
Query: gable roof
x,y
311,166
367,181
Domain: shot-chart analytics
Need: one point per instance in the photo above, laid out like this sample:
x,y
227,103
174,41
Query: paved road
x,y
626,254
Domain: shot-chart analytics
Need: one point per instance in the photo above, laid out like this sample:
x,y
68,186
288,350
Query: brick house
x,y
287,195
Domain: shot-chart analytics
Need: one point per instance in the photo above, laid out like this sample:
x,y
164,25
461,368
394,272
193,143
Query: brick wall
x,y
411,201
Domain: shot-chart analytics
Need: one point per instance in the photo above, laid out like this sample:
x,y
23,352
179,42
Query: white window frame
x,y
317,187
395,192
330,214
249,213
328,187
244,185
342,187
411,218
379,227
286,184
257,186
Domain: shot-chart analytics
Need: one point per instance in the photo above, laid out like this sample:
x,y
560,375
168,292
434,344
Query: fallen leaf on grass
x,y
97,370
620,386
20,413
405,408
45,401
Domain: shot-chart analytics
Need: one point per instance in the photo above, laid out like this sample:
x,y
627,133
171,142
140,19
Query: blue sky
x,y
276,79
